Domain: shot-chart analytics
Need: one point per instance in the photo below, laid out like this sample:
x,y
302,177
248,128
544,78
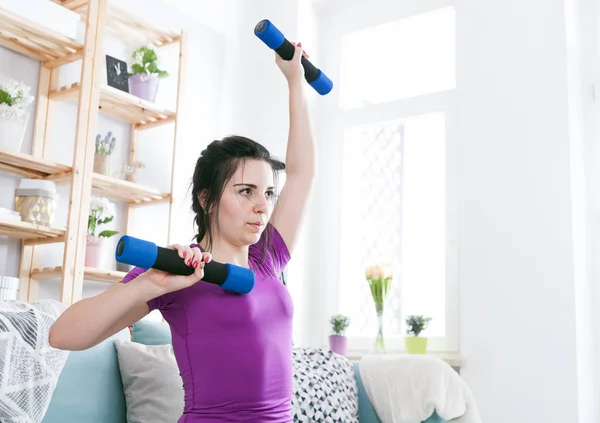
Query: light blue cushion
x,y
366,412
150,332
89,388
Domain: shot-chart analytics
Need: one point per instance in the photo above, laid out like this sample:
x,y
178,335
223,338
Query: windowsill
x,y
454,359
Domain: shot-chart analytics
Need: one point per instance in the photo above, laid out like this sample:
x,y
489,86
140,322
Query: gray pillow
x,y
151,382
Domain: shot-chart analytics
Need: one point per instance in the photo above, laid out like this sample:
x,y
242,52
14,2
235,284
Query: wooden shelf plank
x,y
36,41
89,273
34,167
127,25
121,105
31,166
126,191
30,232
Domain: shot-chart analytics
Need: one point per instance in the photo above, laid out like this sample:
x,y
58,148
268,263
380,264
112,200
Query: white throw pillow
x,y
151,381
29,366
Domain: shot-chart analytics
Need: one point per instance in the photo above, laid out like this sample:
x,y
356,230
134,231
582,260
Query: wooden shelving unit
x,y
91,274
92,96
126,26
31,166
126,191
122,106
32,40
32,234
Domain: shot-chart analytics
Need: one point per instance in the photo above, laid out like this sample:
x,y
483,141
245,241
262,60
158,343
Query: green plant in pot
x,y
338,342
15,102
101,212
145,73
104,148
415,324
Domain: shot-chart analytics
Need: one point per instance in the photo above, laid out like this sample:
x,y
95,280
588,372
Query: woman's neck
x,y
224,252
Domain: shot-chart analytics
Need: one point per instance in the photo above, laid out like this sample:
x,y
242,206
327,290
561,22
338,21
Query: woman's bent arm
x,y
89,321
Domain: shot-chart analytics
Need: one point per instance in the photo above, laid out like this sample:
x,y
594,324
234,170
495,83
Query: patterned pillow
x,y
31,367
324,387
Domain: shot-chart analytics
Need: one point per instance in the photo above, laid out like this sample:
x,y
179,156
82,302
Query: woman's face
x,y
247,203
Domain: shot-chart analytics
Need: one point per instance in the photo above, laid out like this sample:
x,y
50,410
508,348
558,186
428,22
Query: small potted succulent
x,y
415,324
338,342
145,74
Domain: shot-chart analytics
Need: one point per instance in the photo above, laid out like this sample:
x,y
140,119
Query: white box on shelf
x,y
49,14
8,215
12,134
36,200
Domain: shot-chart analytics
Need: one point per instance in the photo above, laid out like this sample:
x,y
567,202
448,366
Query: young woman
x,y
233,351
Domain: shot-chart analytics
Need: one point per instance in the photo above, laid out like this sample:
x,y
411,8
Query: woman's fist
x,y
292,69
167,282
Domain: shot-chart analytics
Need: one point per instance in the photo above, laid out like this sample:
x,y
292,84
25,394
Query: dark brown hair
x,y
216,165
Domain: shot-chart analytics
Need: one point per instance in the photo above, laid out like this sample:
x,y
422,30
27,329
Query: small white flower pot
x,y
12,133
96,252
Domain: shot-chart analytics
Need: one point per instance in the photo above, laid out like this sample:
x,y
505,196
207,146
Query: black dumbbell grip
x,y
169,261
286,52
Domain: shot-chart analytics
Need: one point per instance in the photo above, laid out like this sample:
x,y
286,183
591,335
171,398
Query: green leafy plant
x,y
8,99
102,212
339,324
415,324
14,100
145,62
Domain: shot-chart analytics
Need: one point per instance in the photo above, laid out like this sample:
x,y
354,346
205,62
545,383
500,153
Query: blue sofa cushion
x,y
366,412
150,332
89,388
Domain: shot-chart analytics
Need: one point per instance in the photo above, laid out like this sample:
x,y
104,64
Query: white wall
x,y
522,240
203,111
582,64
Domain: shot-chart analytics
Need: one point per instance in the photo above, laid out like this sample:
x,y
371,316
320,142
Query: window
x,y
400,59
395,128
394,180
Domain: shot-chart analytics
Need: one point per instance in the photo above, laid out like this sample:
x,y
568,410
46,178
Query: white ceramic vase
x,y
12,133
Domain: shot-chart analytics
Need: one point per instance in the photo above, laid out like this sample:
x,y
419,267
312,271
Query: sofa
x,y
90,387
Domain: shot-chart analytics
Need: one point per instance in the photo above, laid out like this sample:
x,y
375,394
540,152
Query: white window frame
x,y
333,19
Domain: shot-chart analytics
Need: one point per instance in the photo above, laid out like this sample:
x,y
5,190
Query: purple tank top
x,y
234,352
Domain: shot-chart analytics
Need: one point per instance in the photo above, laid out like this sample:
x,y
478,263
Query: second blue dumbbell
x,y
274,39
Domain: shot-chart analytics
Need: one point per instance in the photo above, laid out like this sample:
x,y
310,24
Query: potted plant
x,y
380,278
104,148
14,113
145,73
338,343
415,324
101,212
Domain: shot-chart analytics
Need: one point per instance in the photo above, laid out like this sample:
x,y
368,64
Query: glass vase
x,y
379,340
